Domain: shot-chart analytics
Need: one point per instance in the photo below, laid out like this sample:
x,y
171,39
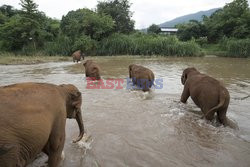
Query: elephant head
x,y
82,55
185,74
130,70
73,107
86,62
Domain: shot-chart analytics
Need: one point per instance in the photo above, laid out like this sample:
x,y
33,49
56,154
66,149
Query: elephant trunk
x,y
81,126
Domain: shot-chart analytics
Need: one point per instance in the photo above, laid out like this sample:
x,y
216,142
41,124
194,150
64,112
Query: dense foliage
x,y
154,29
232,21
236,48
109,30
141,44
120,12
86,22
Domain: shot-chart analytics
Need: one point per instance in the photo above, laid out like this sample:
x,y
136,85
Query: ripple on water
x,y
133,128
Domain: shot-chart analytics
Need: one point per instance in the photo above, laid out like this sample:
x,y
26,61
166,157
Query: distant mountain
x,y
186,18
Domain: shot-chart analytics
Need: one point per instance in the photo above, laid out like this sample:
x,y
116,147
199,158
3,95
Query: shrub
x,y
236,47
141,44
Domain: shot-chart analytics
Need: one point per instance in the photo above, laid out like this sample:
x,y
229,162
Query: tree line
x,y
109,30
29,30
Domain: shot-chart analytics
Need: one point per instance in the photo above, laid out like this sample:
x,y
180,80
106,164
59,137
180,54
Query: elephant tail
x,y
222,100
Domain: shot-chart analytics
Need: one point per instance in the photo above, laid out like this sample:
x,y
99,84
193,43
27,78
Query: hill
x,y
186,18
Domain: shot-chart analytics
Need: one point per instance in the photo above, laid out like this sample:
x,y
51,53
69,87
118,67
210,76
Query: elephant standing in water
x,y
141,76
208,94
77,55
32,120
92,69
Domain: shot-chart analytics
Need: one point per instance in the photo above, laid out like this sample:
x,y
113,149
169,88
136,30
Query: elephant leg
x,y
145,85
54,146
221,113
134,81
55,152
10,156
209,116
208,113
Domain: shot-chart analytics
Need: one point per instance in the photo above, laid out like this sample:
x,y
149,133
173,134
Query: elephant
x,y
208,94
32,120
141,76
92,69
77,55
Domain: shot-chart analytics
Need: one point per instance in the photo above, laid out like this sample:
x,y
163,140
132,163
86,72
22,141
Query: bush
x,y
236,47
202,41
61,46
86,45
141,44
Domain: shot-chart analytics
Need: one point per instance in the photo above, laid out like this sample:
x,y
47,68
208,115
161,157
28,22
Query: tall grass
x,y
140,44
61,46
236,47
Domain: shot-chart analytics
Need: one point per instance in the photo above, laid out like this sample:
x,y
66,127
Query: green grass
x,y
213,49
141,44
10,58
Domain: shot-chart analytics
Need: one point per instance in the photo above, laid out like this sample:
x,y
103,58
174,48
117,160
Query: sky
x,y
145,12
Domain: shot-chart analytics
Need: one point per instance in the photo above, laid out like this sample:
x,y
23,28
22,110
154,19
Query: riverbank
x,y
12,59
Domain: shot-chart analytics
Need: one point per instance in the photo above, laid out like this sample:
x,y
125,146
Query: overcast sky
x,y
145,12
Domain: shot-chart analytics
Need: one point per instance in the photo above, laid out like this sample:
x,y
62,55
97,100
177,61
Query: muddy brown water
x,y
132,128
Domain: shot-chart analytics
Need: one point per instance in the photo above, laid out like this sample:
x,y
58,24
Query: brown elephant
x,y
208,94
77,55
92,69
141,76
32,120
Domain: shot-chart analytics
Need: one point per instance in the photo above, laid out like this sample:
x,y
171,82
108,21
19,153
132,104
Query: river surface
x,y
129,128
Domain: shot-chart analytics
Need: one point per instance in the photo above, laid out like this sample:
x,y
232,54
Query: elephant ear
x,y
183,78
84,63
130,69
76,98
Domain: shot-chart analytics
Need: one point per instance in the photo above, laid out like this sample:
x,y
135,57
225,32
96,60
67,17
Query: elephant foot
x,y
62,156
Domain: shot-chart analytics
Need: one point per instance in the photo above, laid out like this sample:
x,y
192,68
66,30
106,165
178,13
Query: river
x,y
133,128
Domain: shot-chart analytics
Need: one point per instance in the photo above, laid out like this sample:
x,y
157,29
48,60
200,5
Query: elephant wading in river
x,y
208,94
141,76
77,55
92,69
32,120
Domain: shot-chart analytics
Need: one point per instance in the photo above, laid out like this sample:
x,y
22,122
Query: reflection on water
x,y
132,128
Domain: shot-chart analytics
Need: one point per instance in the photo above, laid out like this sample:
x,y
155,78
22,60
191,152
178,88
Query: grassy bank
x,y
229,48
9,58
141,44
214,49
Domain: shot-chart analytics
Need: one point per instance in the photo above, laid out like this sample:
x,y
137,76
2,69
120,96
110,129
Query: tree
x,y
15,33
27,29
86,22
119,10
231,21
192,29
8,10
154,29
85,44
29,7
